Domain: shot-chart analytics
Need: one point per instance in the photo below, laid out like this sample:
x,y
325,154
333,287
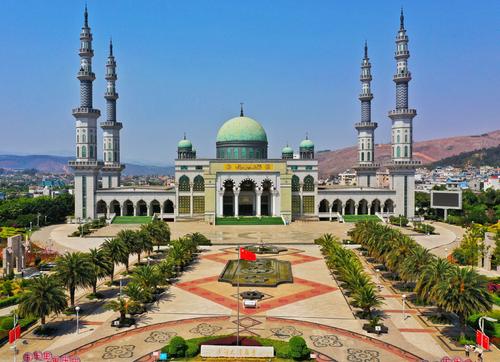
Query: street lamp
x,y
77,308
481,325
121,278
404,302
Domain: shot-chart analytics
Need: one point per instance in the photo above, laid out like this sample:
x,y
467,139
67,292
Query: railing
x,y
398,76
88,163
403,111
402,52
86,110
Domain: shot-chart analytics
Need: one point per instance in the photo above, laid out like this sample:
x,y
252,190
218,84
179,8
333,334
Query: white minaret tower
x,y
402,166
366,168
111,172
85,166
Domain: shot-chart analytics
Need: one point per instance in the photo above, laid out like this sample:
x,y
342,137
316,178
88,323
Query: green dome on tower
x,y
241,128
184,143
287,150
307,143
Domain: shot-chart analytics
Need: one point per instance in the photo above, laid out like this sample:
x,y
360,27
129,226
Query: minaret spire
x,y
111,172
401,20
86,166
241,110
366,50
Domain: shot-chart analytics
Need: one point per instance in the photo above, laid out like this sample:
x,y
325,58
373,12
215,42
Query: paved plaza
x,y
313,306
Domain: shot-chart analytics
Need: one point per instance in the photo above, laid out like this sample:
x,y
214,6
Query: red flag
x,y
478,336
17,331
486,342
247,255
12,336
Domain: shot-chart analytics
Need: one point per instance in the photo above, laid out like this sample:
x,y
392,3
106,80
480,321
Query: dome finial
x,y
307,135
401,20
241,109
366,49
184,135
110,46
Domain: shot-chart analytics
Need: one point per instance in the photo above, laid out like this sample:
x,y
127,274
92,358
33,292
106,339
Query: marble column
x,y
274,195
236,201
220,204
356,209
258,194
301,199
191,199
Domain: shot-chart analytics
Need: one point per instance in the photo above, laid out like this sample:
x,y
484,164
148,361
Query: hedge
x,y
8,301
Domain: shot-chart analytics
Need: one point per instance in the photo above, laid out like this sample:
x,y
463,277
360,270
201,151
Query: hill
x,y
484,157
428,152
59,164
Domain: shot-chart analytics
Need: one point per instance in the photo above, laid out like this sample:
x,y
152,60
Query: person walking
x,y
467,350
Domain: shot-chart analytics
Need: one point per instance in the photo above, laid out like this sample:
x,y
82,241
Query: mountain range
x,y
428,152
330,162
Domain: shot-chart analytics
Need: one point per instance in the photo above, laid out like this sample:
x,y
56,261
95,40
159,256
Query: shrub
x,y
398,220
7,302
200,239
177,347
283,352
7,323
192,350
298,348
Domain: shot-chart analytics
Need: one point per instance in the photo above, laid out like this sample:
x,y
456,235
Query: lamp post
x,y
121,278
481,325
77,308
404,302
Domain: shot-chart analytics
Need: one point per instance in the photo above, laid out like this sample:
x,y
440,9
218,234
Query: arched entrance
x,y
265,198
128,208
114,208
155,207
168,207
228,198
375,207
101,207
363,207
324,206
349,207
388,205
337,206
247,199
142,208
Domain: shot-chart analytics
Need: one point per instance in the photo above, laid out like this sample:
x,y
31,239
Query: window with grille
x,y
295,183
184,183
295,204
199,204
308,204
199,183
308,183
184,205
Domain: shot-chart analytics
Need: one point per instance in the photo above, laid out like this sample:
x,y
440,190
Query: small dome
x,y
184,143
307,143
287,150
241,129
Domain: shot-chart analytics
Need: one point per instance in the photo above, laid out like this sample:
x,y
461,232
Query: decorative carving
x,y
359,355
329,340
125,351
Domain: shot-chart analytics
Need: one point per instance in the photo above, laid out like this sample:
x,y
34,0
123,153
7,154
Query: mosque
x,y
242,180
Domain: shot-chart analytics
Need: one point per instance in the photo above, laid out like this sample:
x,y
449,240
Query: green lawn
x,y
249,220
356,218
132,220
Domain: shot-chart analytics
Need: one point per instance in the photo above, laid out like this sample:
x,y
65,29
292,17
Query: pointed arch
x,y
349,207
199,183
363,207
141,208
337,206
308,183
184,183
168,207
154,207
324,206
295,183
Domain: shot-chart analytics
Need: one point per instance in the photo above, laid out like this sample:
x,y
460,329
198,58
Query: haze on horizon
x,y
184,66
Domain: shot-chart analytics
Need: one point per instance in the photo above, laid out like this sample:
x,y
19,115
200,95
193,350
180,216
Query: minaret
x,y
402,166
366,169
86,167
111,172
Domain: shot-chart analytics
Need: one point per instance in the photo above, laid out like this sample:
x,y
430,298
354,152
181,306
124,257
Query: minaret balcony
x,y
111,95
86,112
86,52
85,164
111,76
402,54
85,75
402,77
365,96
401,38
364,77
403,112
111,125
365,125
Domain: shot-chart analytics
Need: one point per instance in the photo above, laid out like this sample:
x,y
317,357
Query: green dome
x,y
184,143
241,129
307,143
287,150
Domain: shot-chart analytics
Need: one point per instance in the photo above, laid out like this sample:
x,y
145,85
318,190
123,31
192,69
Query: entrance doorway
x,y
228,199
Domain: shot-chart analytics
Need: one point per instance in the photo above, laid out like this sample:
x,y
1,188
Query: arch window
x,y
257,154
184,183
295,183
243,153
368,154
406,151
236,153
84,151
362,156
398,151
406,138
250,153
199,183
398,139
91,152
308,183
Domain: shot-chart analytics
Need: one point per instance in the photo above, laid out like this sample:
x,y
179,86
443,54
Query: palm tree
x,y
436,271
464,293
101,266
143,242
122,305
138,293
147,276
44,296
159,232
366,298
74,270
116,251
129,239
414,264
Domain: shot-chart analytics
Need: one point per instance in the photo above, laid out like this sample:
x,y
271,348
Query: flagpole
x,y
238,297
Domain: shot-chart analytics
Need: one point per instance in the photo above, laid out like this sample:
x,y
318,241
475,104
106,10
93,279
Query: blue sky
x,y
184,66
